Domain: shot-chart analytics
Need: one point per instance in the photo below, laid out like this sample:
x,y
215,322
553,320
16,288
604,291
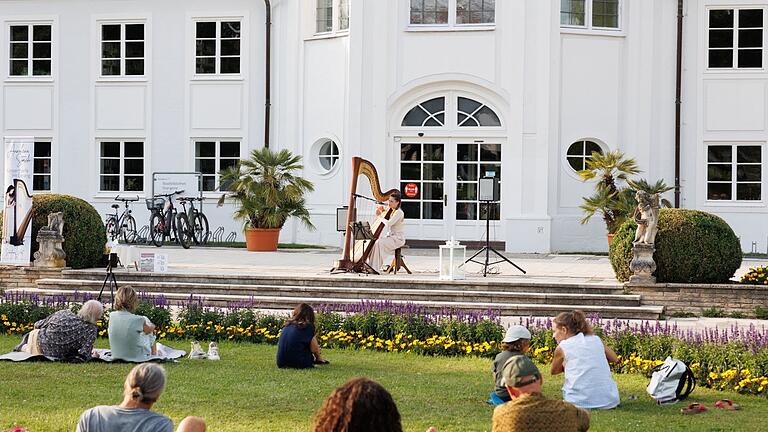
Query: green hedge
x,y
691,247
84,232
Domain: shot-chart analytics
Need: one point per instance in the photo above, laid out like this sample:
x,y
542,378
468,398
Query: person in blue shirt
x,y
297,346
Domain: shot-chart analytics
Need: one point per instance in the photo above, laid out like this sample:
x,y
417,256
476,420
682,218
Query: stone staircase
x,y
511,297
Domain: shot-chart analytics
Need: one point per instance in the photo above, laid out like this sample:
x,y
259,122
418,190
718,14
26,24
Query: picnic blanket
x,y
164,354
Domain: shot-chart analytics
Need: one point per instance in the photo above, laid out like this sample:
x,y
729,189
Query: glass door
x,y
475,160
423,174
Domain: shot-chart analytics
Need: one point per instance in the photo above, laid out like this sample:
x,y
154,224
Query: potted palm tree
x,y
612,200
267,192
614,196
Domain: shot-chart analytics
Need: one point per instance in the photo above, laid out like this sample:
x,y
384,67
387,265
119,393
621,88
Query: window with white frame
x,y
343,14
41,166
212,156
30,50
735,38
324,16
217,47
472,113
427,113
734,172
331,16
452,12
591,14
122,49
328,155
121,166
580,152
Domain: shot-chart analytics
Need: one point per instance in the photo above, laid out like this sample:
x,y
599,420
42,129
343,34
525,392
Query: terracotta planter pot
x,y
610,239
261,239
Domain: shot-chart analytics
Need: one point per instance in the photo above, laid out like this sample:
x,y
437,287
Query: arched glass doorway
x,y
446,143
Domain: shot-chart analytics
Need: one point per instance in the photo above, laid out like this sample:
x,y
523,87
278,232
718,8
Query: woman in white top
x,y
584,359
394,239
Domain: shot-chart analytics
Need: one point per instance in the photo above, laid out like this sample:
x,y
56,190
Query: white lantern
x,y
452,257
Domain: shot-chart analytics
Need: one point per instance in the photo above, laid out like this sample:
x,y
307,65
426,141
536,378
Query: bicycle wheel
x,y
128,230
111,226
183,231
157,229
200,229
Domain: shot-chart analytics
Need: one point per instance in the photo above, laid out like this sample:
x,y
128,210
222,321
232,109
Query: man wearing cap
x,y
529,410
515,342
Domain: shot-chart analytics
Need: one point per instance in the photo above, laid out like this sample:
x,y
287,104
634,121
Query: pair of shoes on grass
x,y
697,408
197,352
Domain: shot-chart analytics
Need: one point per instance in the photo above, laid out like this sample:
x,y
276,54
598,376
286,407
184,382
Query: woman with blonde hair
x,y
141,390
65,335
584,359
131,336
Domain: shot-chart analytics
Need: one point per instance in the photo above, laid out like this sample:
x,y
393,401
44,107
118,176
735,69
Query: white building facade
x,y
437,93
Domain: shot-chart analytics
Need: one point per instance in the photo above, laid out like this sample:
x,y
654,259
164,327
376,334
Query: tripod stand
x,y
487,248
114,261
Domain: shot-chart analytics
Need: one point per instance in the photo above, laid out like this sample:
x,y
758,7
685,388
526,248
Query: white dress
x,y
588,382
386,245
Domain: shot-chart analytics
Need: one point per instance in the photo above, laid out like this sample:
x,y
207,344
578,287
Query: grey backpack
x,y
671,382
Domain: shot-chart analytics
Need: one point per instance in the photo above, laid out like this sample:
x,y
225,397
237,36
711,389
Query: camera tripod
x,y
487,248
113,261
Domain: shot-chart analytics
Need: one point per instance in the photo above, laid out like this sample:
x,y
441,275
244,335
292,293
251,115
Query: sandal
x,y
321,362
694,408
727,404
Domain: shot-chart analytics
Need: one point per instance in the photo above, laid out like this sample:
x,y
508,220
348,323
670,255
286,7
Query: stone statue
x,y
56,223
50,238
647,217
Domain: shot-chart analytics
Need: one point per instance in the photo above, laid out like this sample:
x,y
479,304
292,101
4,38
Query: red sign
x,y
411,190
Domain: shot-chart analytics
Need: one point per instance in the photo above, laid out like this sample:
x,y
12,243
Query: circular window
x,y
580,152
328,155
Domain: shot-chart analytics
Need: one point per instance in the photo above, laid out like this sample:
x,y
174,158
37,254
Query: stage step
x,y
418,293
287,302
401,281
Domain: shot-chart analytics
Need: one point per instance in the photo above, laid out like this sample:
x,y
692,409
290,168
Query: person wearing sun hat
x,y
529,410
516,342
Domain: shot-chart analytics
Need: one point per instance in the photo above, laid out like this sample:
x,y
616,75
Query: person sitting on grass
x,y
297,346
141,390
131,336
529,410
584,359
516,342
65,335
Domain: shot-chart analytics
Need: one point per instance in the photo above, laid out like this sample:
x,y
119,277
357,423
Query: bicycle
x,y
197,220
125,222
165,221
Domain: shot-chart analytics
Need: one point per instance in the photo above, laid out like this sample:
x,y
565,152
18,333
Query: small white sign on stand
x,y
452,257
153,262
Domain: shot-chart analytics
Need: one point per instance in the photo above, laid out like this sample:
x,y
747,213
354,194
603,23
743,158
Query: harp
x,y
22,212
354,260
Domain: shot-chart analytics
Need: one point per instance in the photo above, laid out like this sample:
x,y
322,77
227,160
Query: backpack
x,y
671,382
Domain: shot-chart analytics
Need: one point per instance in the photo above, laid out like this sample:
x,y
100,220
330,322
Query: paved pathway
x,y
423,262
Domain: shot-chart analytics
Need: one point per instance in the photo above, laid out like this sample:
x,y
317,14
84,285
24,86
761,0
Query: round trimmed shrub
x,y
84,232
691,247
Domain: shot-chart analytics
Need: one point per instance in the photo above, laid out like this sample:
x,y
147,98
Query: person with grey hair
x,y
141,390
65,335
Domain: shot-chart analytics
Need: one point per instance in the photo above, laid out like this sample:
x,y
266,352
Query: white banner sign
x,y
170,183
153,262
17,200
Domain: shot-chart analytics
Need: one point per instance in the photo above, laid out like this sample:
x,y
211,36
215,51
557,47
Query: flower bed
x,y
722,359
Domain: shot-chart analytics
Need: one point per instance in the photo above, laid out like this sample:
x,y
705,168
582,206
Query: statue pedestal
x,y
51,253
642,264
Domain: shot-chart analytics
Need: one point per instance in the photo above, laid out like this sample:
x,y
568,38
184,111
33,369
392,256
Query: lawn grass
x,y
246,392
